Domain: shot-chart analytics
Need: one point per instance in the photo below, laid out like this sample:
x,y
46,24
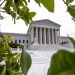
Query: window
x,y
26,41
19,41
15,41
27,46
23,41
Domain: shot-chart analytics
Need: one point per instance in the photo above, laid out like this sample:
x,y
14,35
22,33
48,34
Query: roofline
x,y
42,20
8,33
45,20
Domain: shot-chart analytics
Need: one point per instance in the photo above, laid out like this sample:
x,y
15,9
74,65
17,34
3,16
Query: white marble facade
x,y
42,34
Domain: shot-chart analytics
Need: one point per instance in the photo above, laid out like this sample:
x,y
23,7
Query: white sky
x,y
60,16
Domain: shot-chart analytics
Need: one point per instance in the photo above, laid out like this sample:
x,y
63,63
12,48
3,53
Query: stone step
x,y
48,47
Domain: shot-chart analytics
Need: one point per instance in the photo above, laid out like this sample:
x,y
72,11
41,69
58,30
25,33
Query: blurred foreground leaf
x,y
72,40
25,62
48,4
71,10
62,63
2,69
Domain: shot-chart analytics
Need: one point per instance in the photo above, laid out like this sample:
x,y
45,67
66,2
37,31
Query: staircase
x,y
48,47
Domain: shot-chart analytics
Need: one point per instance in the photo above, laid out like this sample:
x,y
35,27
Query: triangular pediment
x,y
45,22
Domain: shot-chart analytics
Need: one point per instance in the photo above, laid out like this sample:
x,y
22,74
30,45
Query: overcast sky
x,y
60,16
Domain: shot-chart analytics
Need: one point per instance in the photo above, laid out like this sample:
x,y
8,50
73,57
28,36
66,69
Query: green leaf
x,y
72,40
8,38
48,4
24,14
62,63
31,15
38,2
25,62
71,10
2,69
13,16
73,19
69,1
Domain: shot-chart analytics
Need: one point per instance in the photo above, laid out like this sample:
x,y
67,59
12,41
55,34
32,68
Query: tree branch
x,y
2,2
65,3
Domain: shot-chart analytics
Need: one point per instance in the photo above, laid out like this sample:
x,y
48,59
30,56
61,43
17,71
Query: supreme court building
x,y
44,32
42,35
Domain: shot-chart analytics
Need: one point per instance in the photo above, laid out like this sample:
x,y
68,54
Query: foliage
x,y
12,61
70,7
9,58
11,43
8,39
25,62
72,40
48,4
62,63
19,9
15,45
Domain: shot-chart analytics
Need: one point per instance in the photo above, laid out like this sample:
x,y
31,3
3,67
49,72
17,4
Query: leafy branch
x,y
70,7
15,63
18,9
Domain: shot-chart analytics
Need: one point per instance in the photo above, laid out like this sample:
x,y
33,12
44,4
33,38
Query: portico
x,y
42,35
44,32
45,35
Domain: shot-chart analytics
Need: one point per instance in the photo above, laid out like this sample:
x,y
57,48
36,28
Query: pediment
x,y
44,22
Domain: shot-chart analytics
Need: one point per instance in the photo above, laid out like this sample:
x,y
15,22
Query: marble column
x,y
52,36
56,35
58,39
44,35
37,34
49,35
40,35
32,34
